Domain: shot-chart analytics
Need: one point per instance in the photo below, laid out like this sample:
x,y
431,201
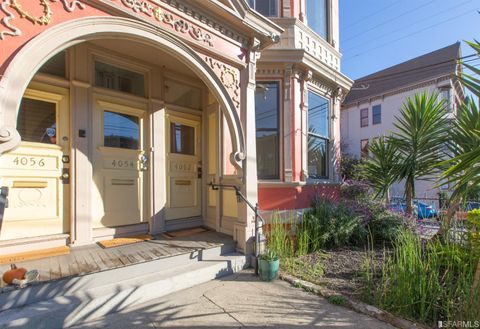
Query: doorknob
x,y
144,162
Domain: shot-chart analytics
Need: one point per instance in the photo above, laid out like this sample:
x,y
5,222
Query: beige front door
x,y
120,164
38,195
183,155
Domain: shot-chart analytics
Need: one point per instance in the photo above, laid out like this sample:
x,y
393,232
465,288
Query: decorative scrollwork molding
x,y
12,30
180,25
9,138
228,76
46,18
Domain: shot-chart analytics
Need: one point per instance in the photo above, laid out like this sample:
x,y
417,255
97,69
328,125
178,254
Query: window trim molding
x,y
279,9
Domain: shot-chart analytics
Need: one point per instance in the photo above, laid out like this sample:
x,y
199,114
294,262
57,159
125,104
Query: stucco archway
x,y
36,52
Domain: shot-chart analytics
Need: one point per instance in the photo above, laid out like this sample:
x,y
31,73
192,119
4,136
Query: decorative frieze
x,y
229,76
160,15
9,7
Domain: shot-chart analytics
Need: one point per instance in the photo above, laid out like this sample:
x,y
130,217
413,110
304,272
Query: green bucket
x,y
268,270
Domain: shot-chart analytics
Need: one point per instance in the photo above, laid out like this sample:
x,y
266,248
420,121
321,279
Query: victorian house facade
x,y
116,116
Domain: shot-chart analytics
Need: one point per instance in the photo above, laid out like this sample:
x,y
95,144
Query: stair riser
x,y
67,311
70,286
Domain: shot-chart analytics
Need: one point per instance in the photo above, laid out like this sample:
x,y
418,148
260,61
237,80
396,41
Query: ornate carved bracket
x,y
9,139
229,77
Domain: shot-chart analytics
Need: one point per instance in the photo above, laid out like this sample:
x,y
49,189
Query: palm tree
x,y
379,169
420,139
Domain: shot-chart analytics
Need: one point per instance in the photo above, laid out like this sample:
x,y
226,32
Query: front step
x,y
112,291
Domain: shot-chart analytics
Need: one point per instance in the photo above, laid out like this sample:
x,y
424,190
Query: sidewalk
x,y
238,301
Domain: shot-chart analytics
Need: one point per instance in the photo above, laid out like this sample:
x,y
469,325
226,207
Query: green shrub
x,y
329,225
269,255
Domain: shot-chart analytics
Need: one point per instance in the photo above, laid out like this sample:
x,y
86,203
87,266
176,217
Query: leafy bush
x,y
350,167
353,190
329,225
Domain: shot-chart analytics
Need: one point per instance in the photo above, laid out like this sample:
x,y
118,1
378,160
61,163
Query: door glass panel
x,y
121,130
37,121
182,140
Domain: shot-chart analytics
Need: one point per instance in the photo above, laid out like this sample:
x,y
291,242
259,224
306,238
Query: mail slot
x,y
183,182
123,182
30,184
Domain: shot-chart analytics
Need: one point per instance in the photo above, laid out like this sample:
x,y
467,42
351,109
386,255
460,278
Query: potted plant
x,y
268,265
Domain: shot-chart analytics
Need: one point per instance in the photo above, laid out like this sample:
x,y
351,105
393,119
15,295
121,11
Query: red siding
x,y
294,197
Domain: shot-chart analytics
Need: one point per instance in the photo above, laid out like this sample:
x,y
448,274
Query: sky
x,y
376,34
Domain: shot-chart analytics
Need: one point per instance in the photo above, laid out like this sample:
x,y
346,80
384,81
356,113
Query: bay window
x,y
317,17
318,136
268,8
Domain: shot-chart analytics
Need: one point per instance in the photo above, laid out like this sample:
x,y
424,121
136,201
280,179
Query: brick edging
x,y
354,305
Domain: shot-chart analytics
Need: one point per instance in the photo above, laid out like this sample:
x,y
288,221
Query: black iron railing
x,y
259,221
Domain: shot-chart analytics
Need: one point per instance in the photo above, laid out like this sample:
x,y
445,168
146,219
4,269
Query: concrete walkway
x,y
238,301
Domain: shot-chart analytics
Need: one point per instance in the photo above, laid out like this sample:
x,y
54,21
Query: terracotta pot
x,y
14,273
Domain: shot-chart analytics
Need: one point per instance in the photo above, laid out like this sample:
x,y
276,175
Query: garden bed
x,y
340,270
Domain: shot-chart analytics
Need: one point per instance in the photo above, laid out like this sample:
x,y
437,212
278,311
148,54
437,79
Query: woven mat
x,y
30,255
185,233
123,241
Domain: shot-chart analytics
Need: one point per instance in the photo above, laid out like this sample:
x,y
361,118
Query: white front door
x,y
120,165
38,195
183,155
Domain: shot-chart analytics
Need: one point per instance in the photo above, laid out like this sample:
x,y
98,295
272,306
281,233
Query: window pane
x,y
318,112
121,130
182,139
111,77
363,117
317,16
267,8
377,114
55,66
37,121
317,157
267,125
183,95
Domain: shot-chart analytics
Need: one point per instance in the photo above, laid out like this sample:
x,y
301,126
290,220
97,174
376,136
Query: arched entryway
x,y
105,184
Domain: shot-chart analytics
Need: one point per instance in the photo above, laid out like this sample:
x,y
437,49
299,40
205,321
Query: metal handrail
x,y
258,217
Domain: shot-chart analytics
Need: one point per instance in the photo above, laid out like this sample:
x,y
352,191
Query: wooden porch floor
x,y
93,258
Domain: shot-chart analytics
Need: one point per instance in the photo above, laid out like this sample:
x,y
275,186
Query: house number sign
x,y
28,162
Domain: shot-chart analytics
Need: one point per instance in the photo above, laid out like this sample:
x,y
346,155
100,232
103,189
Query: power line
x,y
389,21
410,25
408,35
372,14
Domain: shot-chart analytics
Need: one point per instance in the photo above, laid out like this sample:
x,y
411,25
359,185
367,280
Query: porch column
x,y
244,229
80,109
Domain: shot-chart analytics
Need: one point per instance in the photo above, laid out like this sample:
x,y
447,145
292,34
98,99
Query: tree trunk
x,y
387,198
476,280
409,196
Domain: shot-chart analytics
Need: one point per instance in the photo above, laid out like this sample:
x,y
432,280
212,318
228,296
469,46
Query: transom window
x,y
119,79
377,114
268,8
318,136
317,17
182,139
121,130
37,121
363,117
267,124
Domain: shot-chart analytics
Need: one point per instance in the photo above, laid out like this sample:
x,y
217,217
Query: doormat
x,y
31,255
105,244
184,233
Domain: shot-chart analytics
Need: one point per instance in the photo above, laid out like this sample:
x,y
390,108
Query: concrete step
x,y
98,294
71,285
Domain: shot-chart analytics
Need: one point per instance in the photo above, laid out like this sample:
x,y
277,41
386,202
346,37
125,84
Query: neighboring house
x,y
116,116
370,108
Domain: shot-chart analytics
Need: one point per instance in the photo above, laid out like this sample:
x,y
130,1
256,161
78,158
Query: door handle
x,y
144,162
65,177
